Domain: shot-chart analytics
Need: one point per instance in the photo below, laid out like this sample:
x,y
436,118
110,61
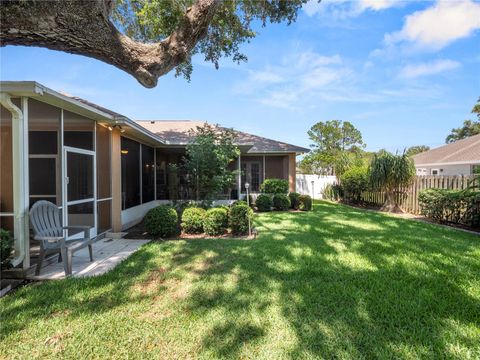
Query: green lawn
x,y
333,283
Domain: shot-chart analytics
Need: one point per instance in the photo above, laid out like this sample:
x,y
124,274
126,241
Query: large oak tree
x,y
145,38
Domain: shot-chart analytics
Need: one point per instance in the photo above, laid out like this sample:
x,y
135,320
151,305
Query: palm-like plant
x,y
388,173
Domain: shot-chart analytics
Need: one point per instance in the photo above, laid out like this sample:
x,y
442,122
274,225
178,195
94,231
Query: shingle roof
x,y
176,132
462,151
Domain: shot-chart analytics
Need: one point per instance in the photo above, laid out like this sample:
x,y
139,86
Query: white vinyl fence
x,y
313,185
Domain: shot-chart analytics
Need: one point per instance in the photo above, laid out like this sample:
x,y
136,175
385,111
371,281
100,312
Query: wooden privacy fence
x,y
408,197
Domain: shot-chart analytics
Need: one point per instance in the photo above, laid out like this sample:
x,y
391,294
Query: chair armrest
x,y
78,227
48,238
85,228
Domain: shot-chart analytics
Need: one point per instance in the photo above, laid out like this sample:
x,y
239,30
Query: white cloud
x,y
342,9
298,76
439,25
432,68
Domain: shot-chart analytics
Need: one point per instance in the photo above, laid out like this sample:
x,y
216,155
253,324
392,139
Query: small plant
x,y
192,220
305,203
238,217
281,202
6,244
216,221
294,200
161,221
263,203
274,186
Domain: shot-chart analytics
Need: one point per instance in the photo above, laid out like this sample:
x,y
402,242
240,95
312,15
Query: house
x,y
461,157
100,167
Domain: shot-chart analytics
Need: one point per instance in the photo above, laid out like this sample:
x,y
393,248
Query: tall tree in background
x,y
207,159
336,145
469,127
388,173
414,150
147,39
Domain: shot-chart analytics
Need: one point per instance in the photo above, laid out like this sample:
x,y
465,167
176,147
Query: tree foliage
x,y
469,128
337,146
417,149
207,159
146,38
389,172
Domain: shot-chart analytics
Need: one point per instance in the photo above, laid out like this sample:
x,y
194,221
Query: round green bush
x,y
305,203
161,221
274,186
216,221
238,218
294,202
6,244
354,182
281,202
263,202
192,220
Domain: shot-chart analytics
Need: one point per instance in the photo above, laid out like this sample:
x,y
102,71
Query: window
x,y
476,169
148,174
78,131
434,172
130,152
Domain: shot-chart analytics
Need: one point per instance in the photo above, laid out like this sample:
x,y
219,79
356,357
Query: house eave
x,y
469,162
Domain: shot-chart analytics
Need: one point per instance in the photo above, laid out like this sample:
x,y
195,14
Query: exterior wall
x,y
447,170
276,167
292,172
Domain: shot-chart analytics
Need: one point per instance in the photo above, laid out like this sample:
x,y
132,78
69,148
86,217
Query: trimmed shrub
x,y
281,202
305,203
454,206
238,218
192,220
250,200
274,186
161,221
216,221
263,203
294,200
354,182
6,244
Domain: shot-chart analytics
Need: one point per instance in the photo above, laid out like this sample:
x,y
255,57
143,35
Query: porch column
x,y
239,178
20,182
292,172
263,165
116,180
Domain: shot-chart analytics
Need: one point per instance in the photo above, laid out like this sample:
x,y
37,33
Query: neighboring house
x,y
100,167
461,157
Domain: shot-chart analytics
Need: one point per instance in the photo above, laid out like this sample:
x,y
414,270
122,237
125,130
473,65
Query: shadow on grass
x,y
336,282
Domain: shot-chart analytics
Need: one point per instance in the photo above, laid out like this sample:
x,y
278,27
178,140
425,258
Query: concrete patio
x,y
107,253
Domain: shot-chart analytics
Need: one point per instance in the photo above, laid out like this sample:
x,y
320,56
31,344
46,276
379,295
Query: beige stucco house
x,y
100,167
458,158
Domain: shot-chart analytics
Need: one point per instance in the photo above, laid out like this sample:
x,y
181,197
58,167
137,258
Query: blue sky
x,y
404,73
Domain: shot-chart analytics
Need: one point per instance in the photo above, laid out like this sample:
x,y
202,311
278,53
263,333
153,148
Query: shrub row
x,y
274,186
282,202
162,221
454,206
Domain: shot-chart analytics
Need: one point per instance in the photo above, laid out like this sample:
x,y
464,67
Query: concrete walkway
x,y
107,253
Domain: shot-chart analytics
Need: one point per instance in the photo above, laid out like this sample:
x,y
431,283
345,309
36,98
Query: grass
x,y
337,282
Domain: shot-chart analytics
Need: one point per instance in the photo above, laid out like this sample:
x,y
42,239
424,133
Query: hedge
x,y
294,200
238,218
6,244
216,221
305,203
281,202
274,186
453,206
192,220
263,202
161,221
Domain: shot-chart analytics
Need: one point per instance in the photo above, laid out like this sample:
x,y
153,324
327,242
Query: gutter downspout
x,y
18,179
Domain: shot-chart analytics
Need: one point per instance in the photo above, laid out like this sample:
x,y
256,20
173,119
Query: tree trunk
x,y
390,204
83,27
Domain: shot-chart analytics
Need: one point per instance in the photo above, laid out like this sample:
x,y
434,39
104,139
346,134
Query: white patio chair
x,y
48,229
